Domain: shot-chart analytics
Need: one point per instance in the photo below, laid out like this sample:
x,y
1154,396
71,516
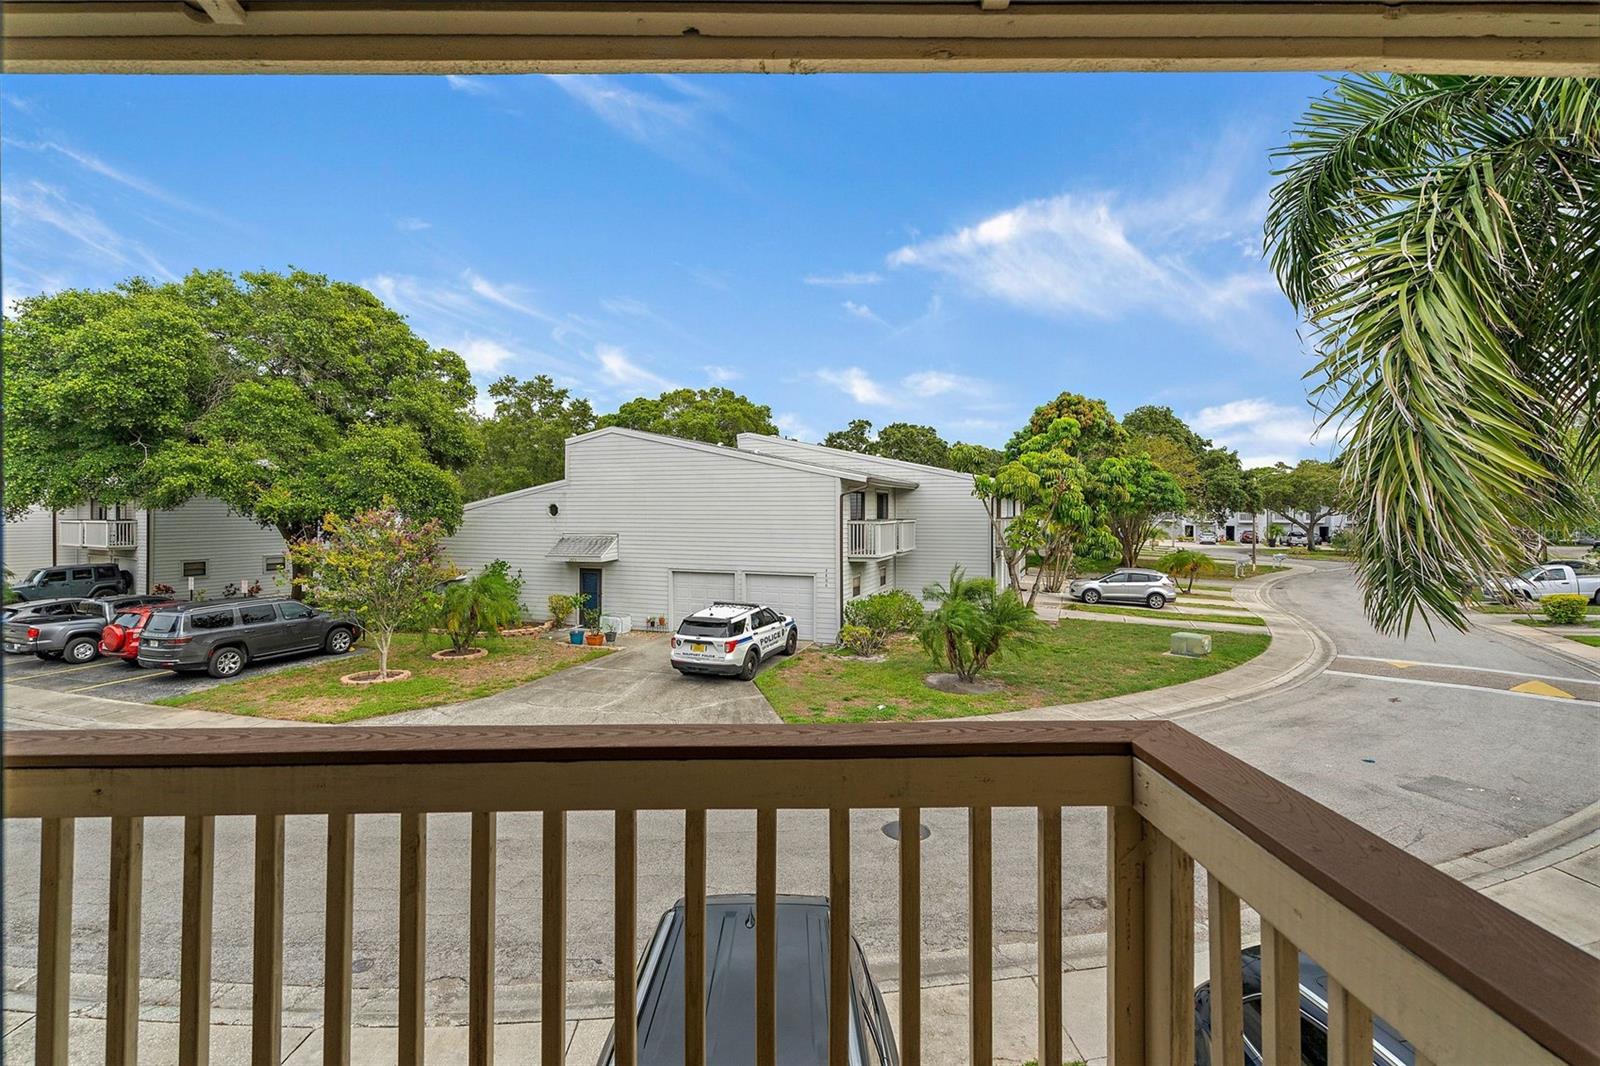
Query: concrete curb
x,y
1553,642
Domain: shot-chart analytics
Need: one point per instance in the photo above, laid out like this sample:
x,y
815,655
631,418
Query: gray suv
x,y
73,634
220,638
87,580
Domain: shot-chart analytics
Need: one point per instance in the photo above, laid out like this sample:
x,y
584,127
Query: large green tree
x,y
286,396
524,441
1306,494
1442,235
856,437
715,415
912,444
1133,492
1099,434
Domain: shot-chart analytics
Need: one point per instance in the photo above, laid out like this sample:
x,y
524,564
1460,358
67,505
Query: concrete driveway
x,y
635,685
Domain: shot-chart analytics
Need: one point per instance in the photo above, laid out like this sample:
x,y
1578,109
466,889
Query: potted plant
x,y
611,635
561,606
591,625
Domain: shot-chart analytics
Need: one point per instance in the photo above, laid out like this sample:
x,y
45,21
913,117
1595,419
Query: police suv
x,y
732,638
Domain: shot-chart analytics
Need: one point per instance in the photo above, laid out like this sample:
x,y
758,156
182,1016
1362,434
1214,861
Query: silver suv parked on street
x,y
1128,585
220,638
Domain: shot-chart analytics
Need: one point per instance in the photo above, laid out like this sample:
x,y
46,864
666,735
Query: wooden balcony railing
x,y
880,538
1461,977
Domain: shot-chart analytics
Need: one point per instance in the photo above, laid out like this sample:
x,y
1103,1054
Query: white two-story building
x,y
653,526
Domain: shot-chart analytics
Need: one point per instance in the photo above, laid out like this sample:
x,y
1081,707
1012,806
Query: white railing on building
x,y
879,539
109,534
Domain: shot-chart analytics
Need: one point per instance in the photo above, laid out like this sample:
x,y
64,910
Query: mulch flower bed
x,y
451,655
372,677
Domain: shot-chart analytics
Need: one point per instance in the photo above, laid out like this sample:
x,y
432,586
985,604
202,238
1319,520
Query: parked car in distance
x,y
1295,539
121,636
221,638
74,635
1389,1048
25,609
1247,537
802,980
1206,536
1127,585
86,581
1547,579
732,639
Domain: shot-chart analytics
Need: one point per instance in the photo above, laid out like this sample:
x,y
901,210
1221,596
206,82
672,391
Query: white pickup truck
x,y
1547,579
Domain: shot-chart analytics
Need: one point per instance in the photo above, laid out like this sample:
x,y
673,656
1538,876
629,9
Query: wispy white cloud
x,y
792,425
619,370
471,86
721,374
1108,256
483,356
666,114
929,383
510,297
1263,432
32,205
412,225
857,384
870,277
624,305
861,311
184,201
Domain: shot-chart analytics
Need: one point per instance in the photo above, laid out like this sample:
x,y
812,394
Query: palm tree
x,y
971,623
1442,235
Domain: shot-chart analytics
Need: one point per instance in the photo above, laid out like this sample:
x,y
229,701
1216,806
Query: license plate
x,y
13,647
151,644
697,647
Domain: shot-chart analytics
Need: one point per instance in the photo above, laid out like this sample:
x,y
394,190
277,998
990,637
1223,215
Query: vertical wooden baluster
x,y
980,930
625,1018
1126,868
122,942
338,948
1280,998
1349,1028
553,941
694,938
766,937
1227,987
266,996
194,989
1169,952
480,962
1050,1029
839,936
910,936
413,935
51,1001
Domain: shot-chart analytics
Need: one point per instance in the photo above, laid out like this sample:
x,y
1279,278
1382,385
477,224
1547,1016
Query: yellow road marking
x,y
1541,688
102,684
96,665
1400,664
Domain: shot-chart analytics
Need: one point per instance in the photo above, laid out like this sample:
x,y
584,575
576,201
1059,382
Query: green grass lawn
x,y
313,693
1593,642
1541,622
1238,618
1071,662
1531,611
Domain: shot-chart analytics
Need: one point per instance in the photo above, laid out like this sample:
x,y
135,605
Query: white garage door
x,y
793,594
694,589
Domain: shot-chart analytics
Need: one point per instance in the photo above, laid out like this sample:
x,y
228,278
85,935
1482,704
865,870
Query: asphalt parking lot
x,y
114,679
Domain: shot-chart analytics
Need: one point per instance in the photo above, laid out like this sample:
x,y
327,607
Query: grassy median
x,y
1070,662
314,694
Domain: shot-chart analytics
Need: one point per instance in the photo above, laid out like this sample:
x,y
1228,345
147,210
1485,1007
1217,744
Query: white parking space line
x,y
1455,666
1470,688
99,664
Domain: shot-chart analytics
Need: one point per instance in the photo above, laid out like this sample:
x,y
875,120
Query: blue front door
x,y
589,585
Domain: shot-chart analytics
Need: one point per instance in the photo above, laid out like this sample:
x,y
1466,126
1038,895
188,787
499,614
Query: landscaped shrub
x,y
561,606
881,616
1184,563
972,623
857,640
484,604
1565,608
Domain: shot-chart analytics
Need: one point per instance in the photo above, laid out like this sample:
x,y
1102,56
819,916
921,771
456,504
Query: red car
x,y
121,637
1247,537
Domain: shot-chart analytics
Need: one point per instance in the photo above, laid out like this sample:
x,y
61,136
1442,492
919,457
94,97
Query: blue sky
x,y
947,249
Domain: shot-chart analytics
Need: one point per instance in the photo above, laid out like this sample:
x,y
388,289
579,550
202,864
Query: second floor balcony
x,y
106,534
880,538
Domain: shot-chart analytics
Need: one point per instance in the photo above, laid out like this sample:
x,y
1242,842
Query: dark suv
x,y
220,638
88,581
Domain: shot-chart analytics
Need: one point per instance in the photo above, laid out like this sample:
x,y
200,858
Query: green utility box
x,y
1191,644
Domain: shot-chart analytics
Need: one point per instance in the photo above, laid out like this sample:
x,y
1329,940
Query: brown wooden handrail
x,y
1543,985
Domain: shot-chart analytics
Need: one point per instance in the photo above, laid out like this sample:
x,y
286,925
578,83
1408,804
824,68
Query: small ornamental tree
x,y
379,566
1185,564
972,622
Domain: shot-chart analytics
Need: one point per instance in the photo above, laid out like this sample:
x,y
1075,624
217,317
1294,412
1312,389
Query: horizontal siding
x,y
952,525
673,508
28,542
232,547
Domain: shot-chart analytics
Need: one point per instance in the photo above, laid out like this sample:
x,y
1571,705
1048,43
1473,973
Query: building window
x,y
855,585
883,574
272,564
883,505
194,569
858,506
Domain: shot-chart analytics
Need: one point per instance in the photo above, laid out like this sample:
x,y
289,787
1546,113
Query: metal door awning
x,y
586,548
